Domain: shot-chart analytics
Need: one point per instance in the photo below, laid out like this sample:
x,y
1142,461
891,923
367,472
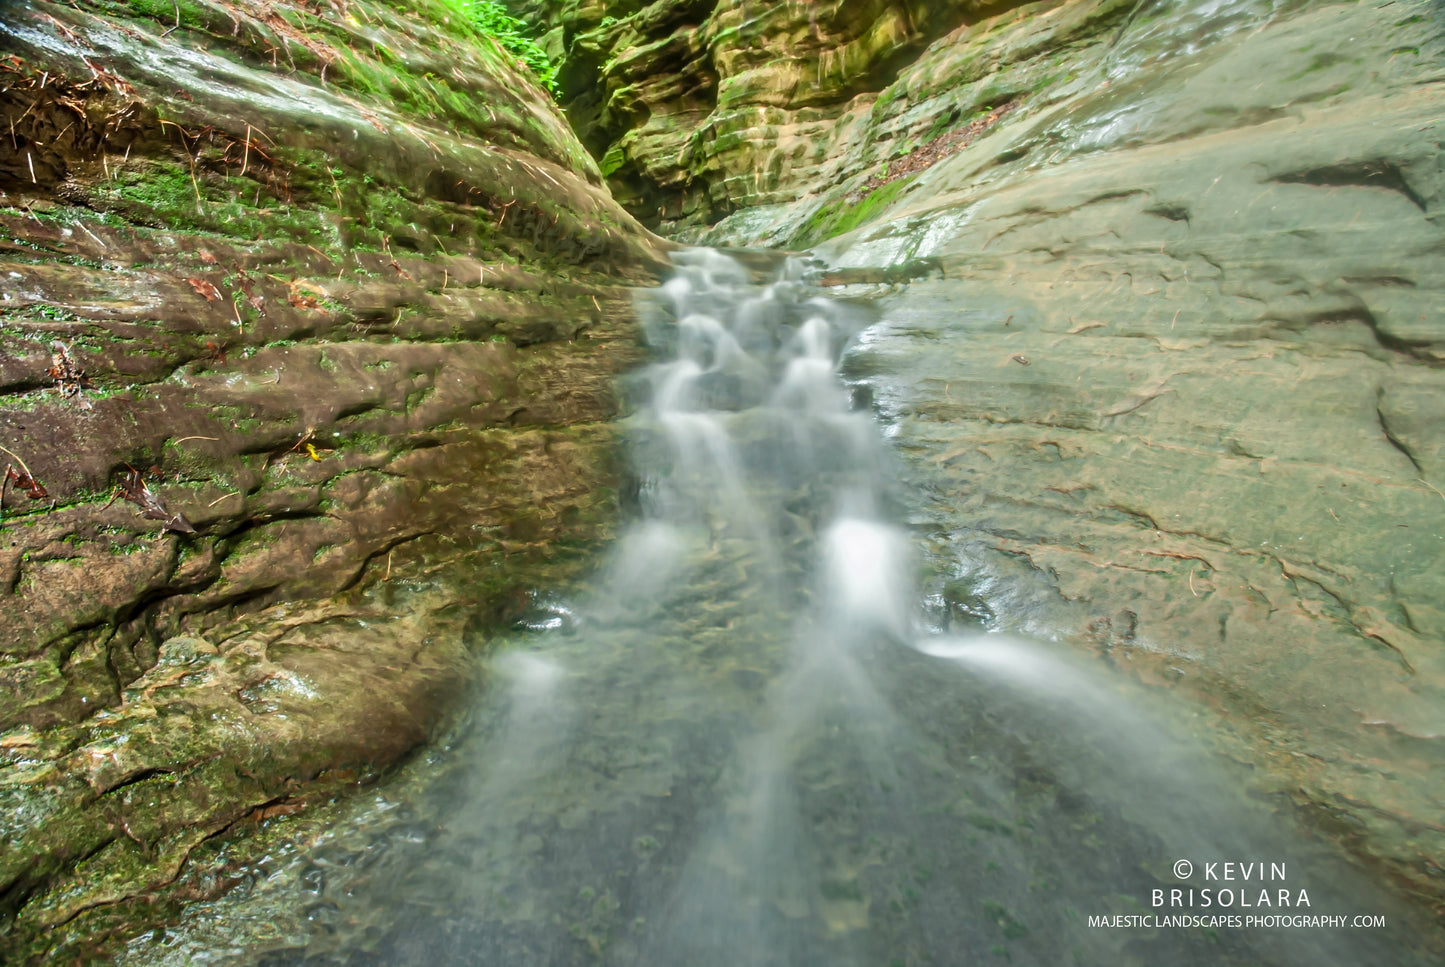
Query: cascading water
x,y
741,746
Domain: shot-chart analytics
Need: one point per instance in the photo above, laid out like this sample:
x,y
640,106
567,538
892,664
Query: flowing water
x,y
742,745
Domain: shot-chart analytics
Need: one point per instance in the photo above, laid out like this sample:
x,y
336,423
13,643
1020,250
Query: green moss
x,y
295,205
883,107
941,126
615,158
368,442
168,194
41,309
169,13
840,216
382,75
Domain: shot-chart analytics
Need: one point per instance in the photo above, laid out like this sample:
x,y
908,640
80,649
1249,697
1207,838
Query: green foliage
x,y
492,19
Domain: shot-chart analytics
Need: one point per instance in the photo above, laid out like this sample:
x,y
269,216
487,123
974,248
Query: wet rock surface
x,y
1161,349
1162,345
309,318
1169,351
734,743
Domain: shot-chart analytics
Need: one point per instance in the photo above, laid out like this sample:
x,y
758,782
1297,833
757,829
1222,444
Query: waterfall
x,y
739,744
764,449
760,443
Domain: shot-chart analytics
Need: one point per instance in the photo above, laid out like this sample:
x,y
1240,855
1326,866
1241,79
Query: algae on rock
x,y
341,285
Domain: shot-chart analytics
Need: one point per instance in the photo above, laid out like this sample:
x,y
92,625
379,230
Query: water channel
x,y
744,743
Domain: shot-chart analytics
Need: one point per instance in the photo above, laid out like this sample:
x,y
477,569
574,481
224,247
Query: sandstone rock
x,y
1219,257
1161,343
698,109
185,650
345,291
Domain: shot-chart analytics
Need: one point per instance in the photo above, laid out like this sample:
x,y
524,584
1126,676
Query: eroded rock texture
x,y
332,291
698,109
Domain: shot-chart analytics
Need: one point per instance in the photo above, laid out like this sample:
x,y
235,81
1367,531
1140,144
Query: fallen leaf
x,y
206,289
134,489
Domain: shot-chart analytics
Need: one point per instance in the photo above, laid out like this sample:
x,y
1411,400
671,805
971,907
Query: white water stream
x,y
740,745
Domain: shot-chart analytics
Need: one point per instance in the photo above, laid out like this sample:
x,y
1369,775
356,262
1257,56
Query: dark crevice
x,y
77,634
1118,195
1393,281
131,779
1138,517
1363,174
18,891
1390,435
1415,349
1170,211
1128,21
386,548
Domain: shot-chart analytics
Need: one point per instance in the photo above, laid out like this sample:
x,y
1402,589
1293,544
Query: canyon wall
x,y
308,324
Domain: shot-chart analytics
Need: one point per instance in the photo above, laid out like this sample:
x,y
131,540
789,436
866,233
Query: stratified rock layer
x,y
334,294
698,109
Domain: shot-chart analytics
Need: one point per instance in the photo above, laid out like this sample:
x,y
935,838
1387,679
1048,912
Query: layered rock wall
x,y
699,109
309,314
1172,357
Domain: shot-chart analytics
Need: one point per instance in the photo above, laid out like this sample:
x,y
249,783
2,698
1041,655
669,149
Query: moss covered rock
x,y
308,322
699,109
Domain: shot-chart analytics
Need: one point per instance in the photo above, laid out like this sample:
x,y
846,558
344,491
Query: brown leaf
x,y
304,295
206,257
206,289
23,481
134,489
73,104
69,378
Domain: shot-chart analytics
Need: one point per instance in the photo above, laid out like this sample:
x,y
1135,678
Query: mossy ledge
x,y
343,288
